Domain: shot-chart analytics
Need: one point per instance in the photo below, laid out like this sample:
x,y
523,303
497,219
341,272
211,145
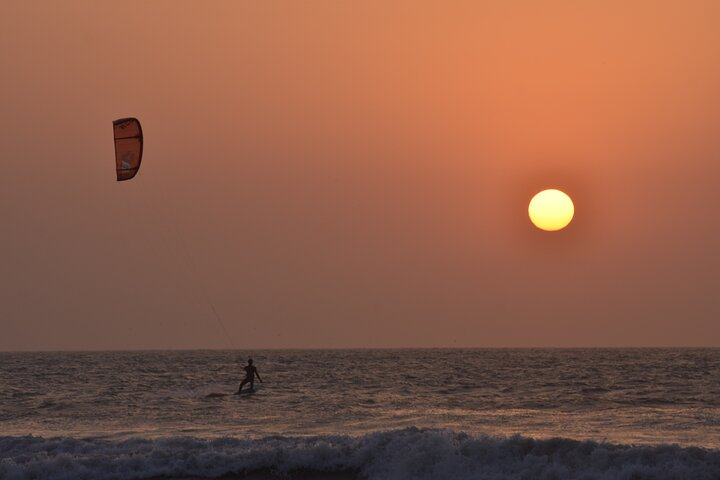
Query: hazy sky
x,y
357,174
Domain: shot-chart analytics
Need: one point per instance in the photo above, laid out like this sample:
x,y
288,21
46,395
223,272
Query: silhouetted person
x,y
250,372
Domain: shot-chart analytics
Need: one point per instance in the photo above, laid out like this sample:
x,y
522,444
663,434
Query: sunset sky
x,y
357,174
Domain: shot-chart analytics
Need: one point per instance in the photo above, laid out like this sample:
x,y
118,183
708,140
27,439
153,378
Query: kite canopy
x,y
128,147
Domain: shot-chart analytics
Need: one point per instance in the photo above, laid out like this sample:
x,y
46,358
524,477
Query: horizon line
x,y
259,349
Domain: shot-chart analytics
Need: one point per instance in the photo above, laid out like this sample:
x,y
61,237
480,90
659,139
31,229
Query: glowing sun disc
x,y
551,210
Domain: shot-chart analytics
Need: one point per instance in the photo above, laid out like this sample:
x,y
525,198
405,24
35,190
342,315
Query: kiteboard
x,y
216,395
247,391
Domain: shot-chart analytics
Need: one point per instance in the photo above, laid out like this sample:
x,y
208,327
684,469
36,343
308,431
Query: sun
x,y
551,210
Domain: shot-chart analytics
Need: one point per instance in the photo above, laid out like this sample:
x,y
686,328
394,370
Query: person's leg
x,y
241,385
252,384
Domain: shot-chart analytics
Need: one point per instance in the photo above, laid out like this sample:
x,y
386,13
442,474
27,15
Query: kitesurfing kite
x,y
128,147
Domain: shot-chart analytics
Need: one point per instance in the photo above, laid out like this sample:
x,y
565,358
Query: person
x,y
250,373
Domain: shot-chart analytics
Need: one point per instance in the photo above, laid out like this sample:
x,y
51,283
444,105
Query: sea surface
x,y
365,414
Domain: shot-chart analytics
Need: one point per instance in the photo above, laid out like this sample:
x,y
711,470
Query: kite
x,y
128,147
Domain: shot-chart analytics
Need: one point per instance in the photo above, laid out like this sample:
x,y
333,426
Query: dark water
x,y
610,396
630,396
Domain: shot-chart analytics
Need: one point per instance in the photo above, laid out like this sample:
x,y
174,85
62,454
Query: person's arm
x,y
258,375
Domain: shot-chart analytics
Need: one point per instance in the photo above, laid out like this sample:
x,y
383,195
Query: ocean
x,y
362,414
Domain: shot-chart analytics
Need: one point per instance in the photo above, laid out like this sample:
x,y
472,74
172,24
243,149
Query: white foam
x,y
395,455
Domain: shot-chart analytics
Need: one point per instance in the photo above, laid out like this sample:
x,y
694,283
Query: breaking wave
x,y
391,455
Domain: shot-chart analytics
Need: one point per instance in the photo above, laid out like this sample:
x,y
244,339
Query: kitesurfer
x,y
250,373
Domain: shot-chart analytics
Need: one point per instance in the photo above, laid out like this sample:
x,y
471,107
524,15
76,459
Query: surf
x,y
412,453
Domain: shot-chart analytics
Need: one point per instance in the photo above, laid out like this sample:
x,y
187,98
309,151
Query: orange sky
x,y
356,174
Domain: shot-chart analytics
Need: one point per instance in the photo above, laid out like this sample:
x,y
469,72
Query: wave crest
x,y
393,455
